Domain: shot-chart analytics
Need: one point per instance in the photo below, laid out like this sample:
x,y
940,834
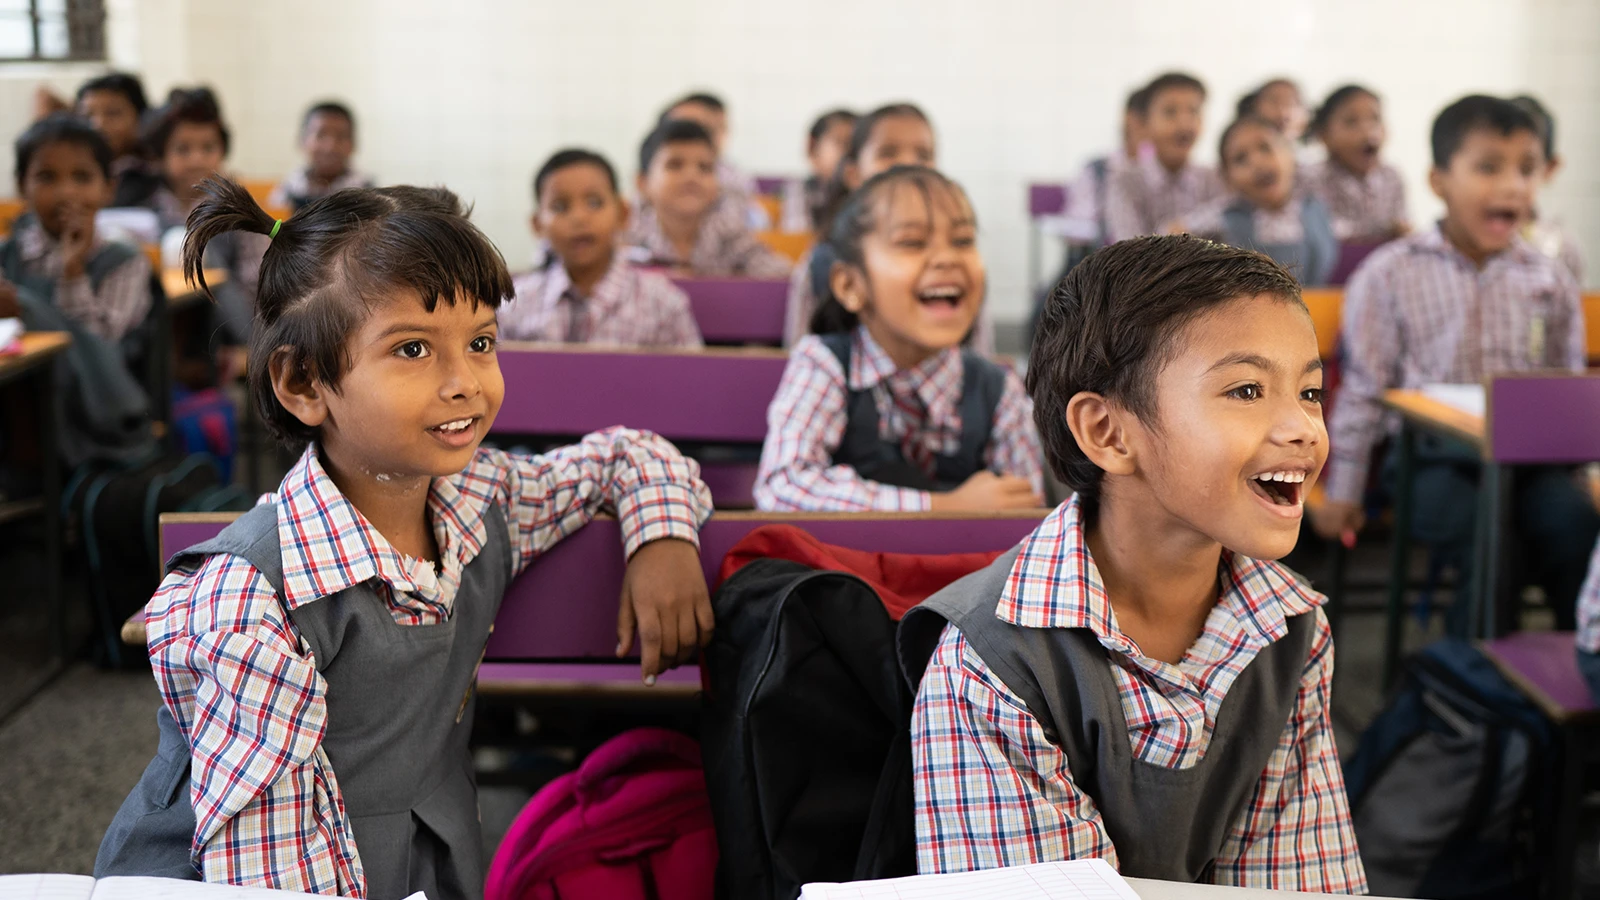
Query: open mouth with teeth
x,y
945,296
1280,488
456,427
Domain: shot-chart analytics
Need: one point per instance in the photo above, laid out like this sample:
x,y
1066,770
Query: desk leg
x,y
51,494
1563,859
1494,612
1399,555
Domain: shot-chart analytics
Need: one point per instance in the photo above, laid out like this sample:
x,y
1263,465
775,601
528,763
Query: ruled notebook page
x,y
1084,879
46,887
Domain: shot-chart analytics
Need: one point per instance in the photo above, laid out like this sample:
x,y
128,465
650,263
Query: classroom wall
x,y
475,94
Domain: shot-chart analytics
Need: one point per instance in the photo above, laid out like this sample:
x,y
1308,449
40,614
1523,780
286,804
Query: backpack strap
x,y
111,256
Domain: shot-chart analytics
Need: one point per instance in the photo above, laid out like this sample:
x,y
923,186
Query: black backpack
x,y
1451,785
805,733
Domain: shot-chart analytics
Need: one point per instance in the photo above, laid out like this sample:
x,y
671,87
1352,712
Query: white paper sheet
x,y
1468,398
46,887
1089,879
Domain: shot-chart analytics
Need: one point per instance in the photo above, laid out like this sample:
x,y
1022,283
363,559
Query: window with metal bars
x,y
45,30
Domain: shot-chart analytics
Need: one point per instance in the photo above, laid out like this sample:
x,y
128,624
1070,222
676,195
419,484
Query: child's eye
x,y
558,207
412,350
911,243
596,201
1246,392
483,343
1312,395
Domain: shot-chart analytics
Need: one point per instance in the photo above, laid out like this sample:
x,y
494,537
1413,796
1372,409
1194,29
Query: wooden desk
x,y
39,352
180,293
1591,325
1422,413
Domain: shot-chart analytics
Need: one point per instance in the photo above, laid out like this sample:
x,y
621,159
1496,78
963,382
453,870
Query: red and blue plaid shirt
x,y
808,417
242,687
992,791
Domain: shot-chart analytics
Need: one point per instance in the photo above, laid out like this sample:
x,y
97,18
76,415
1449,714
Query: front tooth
x,y
1277,476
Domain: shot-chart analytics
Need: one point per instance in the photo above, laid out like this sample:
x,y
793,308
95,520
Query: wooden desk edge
x,y
738,515
1419,409
540,687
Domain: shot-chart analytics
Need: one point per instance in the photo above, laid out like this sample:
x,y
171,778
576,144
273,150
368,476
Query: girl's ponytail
x,y
224,207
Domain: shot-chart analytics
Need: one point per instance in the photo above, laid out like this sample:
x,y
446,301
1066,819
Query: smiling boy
x,y
587,292
1137,681
1142,198
1455,303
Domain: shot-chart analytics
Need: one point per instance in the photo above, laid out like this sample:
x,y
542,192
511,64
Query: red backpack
x,y
633,821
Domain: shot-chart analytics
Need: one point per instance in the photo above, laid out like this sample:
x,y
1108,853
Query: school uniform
x,y
1419,312
317,684
297,189
134,179
738,192
849,431
1556,242
1300,235
1366,208
628,307
1086,196
237,251
109,299
1041,731
1588,637
1142,198
725,245
802,304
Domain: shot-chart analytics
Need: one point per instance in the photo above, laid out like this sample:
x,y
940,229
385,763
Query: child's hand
x,y
987,491
664,594
77,234
1338,521
9,307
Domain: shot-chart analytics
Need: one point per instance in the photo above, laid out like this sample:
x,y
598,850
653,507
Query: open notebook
x,y
82,887
1084,879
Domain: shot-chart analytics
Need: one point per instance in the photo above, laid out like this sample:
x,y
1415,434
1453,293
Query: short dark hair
x,y
1166,81
1138,101
836,193
1542,118
61,128
854,222
195,106
820,127
1247,104
710,101
1339,97
331,264
122,83
329,108
1477,112
563,159
1235,125
672,131
1109,328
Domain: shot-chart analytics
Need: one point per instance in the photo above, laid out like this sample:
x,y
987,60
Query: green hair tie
x,y
276,224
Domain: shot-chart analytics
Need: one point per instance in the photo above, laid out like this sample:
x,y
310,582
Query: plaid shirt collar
x,y
328,545
936,381
1055,584
603,300
1433,241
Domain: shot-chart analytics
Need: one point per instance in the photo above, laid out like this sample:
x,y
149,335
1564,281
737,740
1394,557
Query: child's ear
x,y
1100,428
1436,180
638,183
1552,167
849,286
533,222
301,396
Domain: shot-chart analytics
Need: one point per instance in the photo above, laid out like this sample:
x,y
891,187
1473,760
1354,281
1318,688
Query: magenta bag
x,y
633,822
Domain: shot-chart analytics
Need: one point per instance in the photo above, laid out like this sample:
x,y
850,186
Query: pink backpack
x,y
633,822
